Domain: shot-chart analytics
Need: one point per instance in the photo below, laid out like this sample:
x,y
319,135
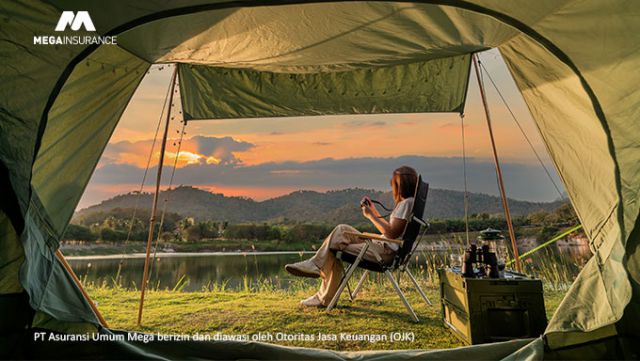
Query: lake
x,y
195,272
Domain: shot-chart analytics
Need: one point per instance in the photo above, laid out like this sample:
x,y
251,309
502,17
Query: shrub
x,y
307,232
107,234
77,232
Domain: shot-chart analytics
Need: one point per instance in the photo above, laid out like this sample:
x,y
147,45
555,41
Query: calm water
x,y
196,271
236,271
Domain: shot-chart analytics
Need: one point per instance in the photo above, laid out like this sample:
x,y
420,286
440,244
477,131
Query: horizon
x,y
263,158
173,188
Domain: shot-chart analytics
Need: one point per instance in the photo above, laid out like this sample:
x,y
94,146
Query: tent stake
x,y
67,267
503,195
152,220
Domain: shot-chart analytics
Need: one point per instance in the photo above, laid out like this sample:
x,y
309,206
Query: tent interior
x,y
575,63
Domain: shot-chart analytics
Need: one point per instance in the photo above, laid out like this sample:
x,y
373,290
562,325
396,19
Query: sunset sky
x,y
264,158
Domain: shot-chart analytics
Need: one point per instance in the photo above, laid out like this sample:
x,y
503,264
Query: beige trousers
x,y
331,267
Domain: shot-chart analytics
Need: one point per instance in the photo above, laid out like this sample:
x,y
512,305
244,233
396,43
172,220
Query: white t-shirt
x,y
402,210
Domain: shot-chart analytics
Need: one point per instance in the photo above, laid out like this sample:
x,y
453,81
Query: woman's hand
x,y
372,210
368,210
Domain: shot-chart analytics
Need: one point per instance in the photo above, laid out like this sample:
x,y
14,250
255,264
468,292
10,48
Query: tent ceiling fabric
x,y
575,63
343,35
437,85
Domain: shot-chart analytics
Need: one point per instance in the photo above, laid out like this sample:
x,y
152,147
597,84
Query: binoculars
x,y
483,256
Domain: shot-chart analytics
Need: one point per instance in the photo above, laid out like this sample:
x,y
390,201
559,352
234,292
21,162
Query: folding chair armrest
x,y
367,235
422,222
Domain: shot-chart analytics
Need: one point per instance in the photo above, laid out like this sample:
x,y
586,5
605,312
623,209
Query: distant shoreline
x,y
183,254
246,253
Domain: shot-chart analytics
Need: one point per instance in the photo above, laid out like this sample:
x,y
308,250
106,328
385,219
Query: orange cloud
x,y
184,157
198,149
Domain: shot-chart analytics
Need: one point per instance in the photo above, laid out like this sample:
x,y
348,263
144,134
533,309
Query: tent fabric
x,y
228,350
366,35
80,124
438,85
11,257
575,63
595,108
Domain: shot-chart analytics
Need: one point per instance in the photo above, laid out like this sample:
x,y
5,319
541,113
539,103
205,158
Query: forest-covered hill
x,y
340,206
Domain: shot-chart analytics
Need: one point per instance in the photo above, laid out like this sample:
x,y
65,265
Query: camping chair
x,y
399,262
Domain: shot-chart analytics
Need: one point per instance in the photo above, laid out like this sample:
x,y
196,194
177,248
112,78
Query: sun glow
x,y
185,157
213,160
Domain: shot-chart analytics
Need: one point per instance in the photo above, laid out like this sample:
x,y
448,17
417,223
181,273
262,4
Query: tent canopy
x,y
574,61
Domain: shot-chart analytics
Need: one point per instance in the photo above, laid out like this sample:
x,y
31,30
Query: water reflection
x,y
234,271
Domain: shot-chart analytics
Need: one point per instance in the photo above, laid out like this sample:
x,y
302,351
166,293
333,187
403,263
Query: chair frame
x,y
400,263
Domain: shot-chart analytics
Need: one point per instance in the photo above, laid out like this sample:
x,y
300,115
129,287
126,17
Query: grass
x,y
261,307
258,308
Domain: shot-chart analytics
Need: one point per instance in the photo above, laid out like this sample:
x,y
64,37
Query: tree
x,y
108,234
538,218
565,214
80,233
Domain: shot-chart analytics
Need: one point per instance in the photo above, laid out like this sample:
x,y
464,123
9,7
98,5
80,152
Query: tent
x,y
574,61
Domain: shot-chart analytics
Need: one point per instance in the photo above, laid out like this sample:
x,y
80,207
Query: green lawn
x,y
376,311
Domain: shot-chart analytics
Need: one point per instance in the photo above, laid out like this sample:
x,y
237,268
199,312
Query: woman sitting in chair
x,y
325,264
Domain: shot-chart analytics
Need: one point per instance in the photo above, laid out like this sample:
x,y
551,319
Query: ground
x,y
376,311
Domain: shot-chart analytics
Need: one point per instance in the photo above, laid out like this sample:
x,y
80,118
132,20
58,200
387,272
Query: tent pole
x,y
154,207
503,195
67,267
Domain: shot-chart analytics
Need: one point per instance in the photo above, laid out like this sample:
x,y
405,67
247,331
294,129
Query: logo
x,y
81,18
74,21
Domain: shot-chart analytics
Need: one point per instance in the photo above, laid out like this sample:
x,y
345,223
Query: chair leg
x,y
349,292
404,299
345,279
348,288
420,291
359,285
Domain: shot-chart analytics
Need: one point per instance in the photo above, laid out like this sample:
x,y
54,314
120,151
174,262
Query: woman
x,y
325,264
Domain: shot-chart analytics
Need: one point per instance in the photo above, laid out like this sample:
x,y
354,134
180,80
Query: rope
x,y
503,193
554,239
513,116
146,170
464,172
156,194
166,199
144,179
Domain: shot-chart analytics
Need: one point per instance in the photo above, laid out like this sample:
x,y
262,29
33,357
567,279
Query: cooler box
x,y
481,310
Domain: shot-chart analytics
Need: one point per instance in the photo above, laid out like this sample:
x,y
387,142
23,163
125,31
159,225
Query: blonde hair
x,y
403,183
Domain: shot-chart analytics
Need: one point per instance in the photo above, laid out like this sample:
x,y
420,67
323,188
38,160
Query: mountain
x,y
340,206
